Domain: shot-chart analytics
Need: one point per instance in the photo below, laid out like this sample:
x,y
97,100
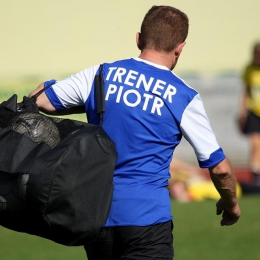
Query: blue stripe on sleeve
x,y
49,83
215,158
54,99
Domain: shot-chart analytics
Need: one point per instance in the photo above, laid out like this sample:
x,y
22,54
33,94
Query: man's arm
x,y
42,101
45,105
225,182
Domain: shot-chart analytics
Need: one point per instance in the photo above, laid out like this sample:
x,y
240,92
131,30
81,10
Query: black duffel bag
x,y
56,175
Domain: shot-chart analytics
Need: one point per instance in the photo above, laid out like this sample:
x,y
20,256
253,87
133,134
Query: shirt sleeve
x,y
197,131
72,91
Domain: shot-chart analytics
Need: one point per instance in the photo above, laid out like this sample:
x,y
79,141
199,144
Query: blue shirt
x,y
148,110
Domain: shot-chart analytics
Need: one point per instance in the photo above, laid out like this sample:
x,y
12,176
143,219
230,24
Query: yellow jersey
x,y
251,79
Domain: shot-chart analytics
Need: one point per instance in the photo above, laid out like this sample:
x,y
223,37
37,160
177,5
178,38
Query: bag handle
x,y
27,100
47,84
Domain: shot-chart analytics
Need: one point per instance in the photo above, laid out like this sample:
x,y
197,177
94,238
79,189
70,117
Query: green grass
x,y
197,235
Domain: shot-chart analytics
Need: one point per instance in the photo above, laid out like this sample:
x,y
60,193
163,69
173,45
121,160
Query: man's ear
x,y
138,41
178,49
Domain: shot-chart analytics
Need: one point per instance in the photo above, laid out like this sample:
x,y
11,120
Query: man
x,y
148,110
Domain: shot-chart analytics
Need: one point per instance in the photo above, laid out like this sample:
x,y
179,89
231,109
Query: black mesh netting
x,y
39,128
13,189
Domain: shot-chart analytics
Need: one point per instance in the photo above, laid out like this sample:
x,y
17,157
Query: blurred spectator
x,y
249,111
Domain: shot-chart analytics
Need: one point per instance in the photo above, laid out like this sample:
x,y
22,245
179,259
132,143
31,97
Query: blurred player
x,y
249,111
188,183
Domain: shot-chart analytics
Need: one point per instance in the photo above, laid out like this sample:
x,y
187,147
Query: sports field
x,y
55,37
197,233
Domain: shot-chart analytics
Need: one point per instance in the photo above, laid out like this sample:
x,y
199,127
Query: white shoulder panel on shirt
x,y
75,89
197,130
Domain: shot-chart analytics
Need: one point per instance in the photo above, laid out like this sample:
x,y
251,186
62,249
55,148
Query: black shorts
x,y
133,243
252,123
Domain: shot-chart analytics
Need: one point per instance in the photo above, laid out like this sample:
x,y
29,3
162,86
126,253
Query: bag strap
x,y
100,96
47,84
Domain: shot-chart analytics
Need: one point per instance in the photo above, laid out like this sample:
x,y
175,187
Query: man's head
x,y
256,54
163,29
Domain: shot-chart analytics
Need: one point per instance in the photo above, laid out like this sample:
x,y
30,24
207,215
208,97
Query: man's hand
x,y
230,215
42,100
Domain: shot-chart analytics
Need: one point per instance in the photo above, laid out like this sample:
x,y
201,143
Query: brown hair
x,y
163,28
256,54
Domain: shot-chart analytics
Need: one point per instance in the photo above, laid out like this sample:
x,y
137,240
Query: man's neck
x,y
160,58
